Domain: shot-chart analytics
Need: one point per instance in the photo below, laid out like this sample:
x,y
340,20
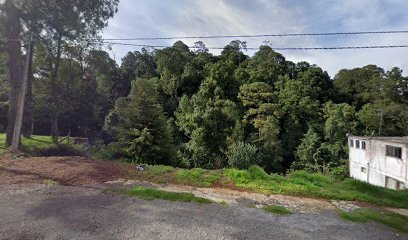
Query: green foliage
x,y
207,119
362,215
316,185
266,66
263,115
276,210
307,153
385,118
159,169
140,126
197,177
243,155
151,194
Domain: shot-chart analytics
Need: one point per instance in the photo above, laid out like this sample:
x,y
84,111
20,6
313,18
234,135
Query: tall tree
x,y
140,126
208,120
263,114
15,64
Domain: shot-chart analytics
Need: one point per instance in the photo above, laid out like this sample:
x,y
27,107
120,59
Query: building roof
x,y
403,140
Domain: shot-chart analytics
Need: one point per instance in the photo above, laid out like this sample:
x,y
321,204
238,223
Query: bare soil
x,y
64,170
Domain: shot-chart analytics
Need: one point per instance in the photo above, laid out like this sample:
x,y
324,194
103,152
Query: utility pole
x,y
15,144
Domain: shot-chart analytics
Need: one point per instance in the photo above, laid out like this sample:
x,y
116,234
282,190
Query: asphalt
x,y
39,211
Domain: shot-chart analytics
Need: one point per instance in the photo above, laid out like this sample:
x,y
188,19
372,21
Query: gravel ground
x,y
37,211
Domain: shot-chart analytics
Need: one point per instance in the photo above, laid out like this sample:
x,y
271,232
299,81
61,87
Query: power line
x,y
258,35
275,48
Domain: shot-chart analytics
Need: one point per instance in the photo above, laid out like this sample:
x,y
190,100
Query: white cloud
x,y
139,18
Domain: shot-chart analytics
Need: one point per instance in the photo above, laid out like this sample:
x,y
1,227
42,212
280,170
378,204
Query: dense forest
x,y
184,106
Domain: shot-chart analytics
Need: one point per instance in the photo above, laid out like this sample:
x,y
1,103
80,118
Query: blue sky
x,y
164,18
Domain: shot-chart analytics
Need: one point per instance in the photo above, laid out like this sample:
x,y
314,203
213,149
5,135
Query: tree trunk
x,y
29,101
54,94
15,64
54,128
21,100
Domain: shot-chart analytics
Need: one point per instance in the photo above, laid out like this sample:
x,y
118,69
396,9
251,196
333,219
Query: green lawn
x,y
43,146
298,183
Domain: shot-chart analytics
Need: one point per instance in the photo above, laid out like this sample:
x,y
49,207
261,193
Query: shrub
x,y
243,155
341,172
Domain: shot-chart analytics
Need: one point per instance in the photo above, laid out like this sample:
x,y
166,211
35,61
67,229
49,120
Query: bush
x,y
243,155
341,172
101,151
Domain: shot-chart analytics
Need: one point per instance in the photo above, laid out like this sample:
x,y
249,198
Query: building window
x,y
363,170
358,144
394,152
352,143
363,145
392,183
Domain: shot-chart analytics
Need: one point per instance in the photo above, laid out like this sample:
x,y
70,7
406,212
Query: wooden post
x,y
15,144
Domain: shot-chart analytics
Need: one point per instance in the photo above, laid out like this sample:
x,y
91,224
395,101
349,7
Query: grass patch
x,y
50,182
44,146
277,210
150,194
197,177
390,219
300,183
159,170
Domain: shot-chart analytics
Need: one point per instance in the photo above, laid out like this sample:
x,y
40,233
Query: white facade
x,y
381,161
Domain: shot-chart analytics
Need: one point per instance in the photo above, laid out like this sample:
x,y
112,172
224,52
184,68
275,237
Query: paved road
x,y
60,212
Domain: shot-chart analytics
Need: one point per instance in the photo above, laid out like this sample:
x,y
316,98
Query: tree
x,y
306,157
301,107
139,64
264,116
384,118
340,120
13,33
195,72
140,127
360,85
53,22
266,66
170,64
207,119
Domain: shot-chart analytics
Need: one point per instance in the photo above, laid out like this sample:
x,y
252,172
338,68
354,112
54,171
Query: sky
x,y
170,18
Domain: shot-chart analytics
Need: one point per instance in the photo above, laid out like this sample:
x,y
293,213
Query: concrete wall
x,y
359,158
378,165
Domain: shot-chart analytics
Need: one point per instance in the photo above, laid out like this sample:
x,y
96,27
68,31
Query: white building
x,y
381,161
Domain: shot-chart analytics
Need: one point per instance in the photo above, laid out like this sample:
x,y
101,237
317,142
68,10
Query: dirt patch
x,y
64,170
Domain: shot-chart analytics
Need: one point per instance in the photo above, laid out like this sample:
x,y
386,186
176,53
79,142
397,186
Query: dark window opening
x,y
357,143
351,143
394,152
363,145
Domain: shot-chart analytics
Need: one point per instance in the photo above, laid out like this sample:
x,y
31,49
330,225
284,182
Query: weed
x,y
150,194
390,219
277,210
159,170
50,182
197,177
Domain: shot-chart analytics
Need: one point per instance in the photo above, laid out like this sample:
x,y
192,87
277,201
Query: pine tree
x,y
140,126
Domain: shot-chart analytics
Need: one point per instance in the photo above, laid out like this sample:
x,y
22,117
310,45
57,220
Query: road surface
x,y
38,211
